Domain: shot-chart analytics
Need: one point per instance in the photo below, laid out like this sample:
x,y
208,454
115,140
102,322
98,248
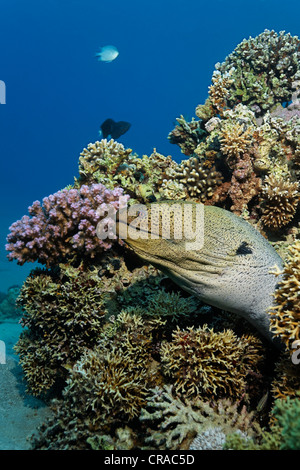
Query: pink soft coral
x,y
64,223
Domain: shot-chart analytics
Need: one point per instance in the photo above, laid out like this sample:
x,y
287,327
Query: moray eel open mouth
x,y
221,258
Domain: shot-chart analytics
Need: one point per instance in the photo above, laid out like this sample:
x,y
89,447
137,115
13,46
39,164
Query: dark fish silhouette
x,y
114,129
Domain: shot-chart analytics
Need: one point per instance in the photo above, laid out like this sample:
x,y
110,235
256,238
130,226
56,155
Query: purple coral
x,y
64,223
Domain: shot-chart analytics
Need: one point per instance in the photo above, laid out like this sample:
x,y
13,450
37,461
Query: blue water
x,y
58,94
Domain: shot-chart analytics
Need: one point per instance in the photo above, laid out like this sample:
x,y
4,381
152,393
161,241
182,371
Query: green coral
x,y
263,70
109,163
284,433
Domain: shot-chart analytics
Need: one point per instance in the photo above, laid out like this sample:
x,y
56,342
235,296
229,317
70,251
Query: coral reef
x,y
131,360
64,224
284,432
103,387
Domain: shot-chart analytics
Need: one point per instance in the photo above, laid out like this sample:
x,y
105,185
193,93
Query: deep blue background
x,y
58,93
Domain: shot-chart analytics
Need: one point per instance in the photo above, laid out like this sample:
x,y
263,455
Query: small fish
x,y
114,129
107,54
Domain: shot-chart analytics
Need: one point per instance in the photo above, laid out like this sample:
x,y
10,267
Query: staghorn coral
x,y
174,422
285,314
281,199
62,316
263,70
65,224
202,362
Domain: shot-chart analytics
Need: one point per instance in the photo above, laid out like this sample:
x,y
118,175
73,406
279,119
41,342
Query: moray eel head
x,y
209,252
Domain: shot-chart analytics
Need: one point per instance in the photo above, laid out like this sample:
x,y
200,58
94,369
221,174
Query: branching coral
x,y
265,68
102,388
62,317
187,135
200,361
109,163
65,224
199,180
217,100
281,201
285,315
173,422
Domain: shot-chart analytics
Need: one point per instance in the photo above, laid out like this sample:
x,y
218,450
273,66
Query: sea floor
x,y
20,413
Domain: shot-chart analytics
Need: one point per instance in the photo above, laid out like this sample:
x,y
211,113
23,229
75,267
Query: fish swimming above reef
x,y
230,271
107,54
114,129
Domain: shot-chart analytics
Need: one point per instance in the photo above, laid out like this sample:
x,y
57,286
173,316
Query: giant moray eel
x,y
231,271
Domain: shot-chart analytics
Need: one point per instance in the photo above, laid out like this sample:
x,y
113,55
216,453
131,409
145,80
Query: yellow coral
x,y
235,140
285,315
201,361
281,200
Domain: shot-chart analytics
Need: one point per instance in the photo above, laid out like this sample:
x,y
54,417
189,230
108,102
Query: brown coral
x,y
235,140
218,92
285,315
63,316
281,199
201,361
199,179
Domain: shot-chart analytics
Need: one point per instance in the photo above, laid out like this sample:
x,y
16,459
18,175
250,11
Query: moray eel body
x,y
230,271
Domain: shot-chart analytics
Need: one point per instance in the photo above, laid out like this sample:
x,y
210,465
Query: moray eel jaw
x,y
231,271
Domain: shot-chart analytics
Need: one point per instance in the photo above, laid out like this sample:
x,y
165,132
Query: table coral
x,y
63,225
